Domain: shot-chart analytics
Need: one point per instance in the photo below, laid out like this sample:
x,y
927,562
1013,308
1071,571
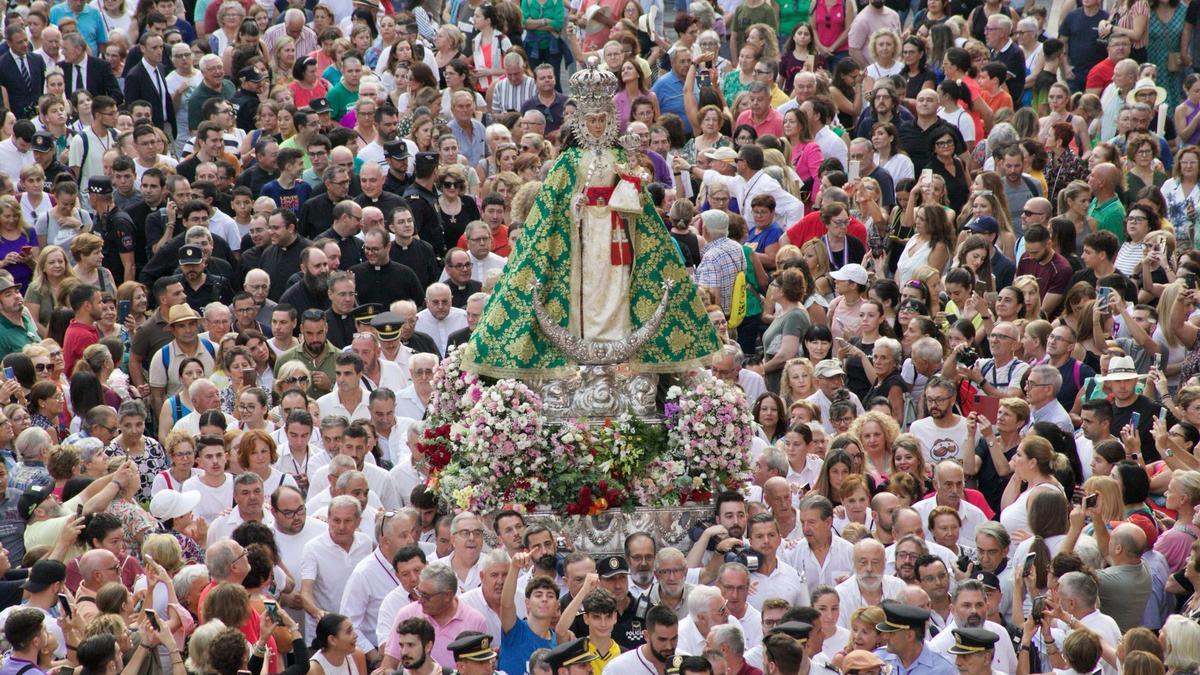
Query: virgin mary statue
x,y
595,260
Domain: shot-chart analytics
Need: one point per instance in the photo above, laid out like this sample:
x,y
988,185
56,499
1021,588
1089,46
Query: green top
x,y
290,142
14,337
550,10
340,99
507,341
731,85
323,363
1109,216
745,16
202,93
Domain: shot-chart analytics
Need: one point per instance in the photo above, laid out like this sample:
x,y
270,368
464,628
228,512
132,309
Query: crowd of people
x,y
950,251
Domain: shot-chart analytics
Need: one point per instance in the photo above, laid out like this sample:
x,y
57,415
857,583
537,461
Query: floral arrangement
x,y
489,447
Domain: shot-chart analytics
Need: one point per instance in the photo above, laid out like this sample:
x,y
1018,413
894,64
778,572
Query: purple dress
x,y
1195,139
21,272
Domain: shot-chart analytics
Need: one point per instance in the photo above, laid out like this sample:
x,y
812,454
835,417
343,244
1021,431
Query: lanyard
x,y
390,573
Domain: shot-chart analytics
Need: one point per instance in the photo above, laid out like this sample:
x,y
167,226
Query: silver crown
x,y
592,86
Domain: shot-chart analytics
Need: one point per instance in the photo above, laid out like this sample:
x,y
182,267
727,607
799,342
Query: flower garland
x,y
488,447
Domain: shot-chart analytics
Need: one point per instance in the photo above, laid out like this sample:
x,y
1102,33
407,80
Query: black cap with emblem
x,y
474,647
898,616
612,566
972,640
388,326
100,185
797,630
680,664
570,653
396,149
425,162
365,313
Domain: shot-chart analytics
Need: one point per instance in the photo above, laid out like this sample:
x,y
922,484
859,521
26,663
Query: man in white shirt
x,y
735,581
298,457
326,559
1078,595
822,557
409,561
377,372
820,112
349,397
906,521
944,433
485,597
727,365
247,507
293,530
970,611
706,608
652,658
949,484
1041,390
869,586
750,180
440,318
354,446
830,378
373,578
466,531
411,400
16,152
773,578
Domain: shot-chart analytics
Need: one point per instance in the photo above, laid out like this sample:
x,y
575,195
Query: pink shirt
x,y
866,22
466,618
773,124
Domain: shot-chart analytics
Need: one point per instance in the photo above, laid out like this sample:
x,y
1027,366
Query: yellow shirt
x,y
598,665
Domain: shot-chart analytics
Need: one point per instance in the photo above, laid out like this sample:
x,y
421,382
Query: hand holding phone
x,y
1089,501
855,170
152,617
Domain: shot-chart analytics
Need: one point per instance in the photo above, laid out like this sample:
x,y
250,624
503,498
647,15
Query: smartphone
x,y
273,611
124,309
65,604
249,377
1158,361
1135,420
26,250
1104,292
66,670
79,511
1189,280
1162,414
9,374
152,617
562,545
1039,607
855,169
926,175
981,288
1089,501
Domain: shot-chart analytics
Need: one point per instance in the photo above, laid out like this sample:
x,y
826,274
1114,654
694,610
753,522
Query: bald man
x,y
440,318
1125,585
1124,77
1105,207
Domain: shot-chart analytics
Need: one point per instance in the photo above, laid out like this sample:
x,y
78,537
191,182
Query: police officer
x,y
201,287
572,658
473,654
115,227
396,154
973,649
422,200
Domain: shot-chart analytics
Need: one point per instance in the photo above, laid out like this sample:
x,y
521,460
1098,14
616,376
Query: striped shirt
x,y
508,97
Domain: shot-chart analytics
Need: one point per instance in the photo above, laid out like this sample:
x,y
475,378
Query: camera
x,y
745,555
968,357
697,531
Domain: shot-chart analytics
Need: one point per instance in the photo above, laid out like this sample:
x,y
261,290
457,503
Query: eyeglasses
x,y
939,401
425,597
292,513
460,266
1027,213
1000,336
43,367
1137,219
471,533
296,379
1031,385
944,142
761,71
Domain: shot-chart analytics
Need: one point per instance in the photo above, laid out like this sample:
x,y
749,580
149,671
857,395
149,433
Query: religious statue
x,y
595,277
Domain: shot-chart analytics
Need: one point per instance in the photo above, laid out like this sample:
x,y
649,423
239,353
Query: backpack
x,y
166,352
112,136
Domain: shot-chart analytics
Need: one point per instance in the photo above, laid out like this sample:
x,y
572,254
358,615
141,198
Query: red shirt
x,y
501,246
1053,277
250,627
811,227
79,336
1101,75
773,124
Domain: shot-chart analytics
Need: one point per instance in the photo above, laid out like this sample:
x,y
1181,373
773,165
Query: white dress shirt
x,y
852,599
225,525
474,598
838,565
393,602
440,329
373,578
408,404
832,145
691,642
788,208
326,563
317,501
377,480
391,376
331,404
300,466
291,552
471,581
12,160
480,268
971,515
784,582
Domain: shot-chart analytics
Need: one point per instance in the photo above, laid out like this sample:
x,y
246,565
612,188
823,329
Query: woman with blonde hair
x,y
884,48
51,270
796,382
18,243
816,257
1028,285
1031,467
88,251
162,558
878,433
985,203
1174,334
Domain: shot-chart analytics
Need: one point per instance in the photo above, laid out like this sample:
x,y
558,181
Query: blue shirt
x,y
288,198
13,665
89,21
928,663
473,147
669,90
519,644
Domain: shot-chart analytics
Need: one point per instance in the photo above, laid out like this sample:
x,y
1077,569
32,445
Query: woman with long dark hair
x,y
334,648
950,168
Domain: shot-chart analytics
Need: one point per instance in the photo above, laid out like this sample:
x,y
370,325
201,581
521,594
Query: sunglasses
x,y
295,380
43,367
456,184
